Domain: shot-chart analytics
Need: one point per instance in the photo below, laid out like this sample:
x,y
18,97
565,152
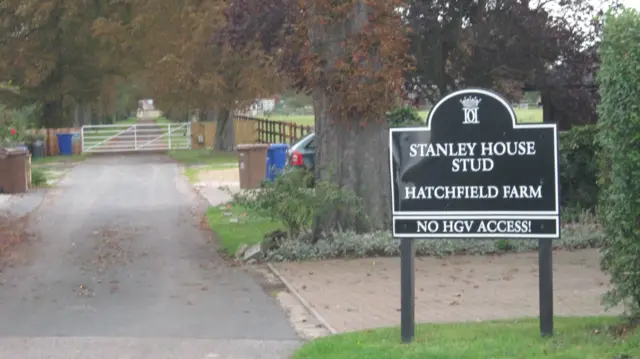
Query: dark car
x,y
302,155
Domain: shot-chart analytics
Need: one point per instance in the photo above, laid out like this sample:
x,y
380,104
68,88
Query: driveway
x,y
363,294
118,268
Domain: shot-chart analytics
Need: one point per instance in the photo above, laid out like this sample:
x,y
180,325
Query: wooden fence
x,y
203,134
248,130
278,131
51,140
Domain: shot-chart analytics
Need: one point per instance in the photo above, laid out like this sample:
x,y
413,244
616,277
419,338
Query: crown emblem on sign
x,y
470,109
470,102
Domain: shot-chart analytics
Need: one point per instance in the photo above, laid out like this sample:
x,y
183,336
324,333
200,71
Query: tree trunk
x,y
354,158
351,153
225,131
77,118
209,115
53,115
86,117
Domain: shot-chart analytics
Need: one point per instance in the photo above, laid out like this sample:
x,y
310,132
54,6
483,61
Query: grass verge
x,y
575,338
203,157
59,159
193,173
249,228
39,177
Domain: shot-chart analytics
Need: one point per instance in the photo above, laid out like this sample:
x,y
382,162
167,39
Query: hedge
x,y
619,157
578,169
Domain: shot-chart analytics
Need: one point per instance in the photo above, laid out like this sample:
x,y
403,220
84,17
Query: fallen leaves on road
x,y
12,232
112,247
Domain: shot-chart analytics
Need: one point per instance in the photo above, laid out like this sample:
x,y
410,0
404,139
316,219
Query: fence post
x,y
272,132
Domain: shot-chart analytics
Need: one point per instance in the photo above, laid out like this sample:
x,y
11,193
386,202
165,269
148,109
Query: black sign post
x,y
473,172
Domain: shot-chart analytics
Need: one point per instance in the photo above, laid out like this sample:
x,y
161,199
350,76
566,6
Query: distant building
x,y
262,106
146,105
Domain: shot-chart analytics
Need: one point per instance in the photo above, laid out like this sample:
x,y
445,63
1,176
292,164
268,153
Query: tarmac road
x,y
118,268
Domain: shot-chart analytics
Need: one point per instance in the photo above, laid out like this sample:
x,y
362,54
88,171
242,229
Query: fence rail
x,y
269,131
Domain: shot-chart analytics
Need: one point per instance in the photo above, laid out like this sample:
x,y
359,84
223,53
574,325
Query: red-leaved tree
x,y
350,55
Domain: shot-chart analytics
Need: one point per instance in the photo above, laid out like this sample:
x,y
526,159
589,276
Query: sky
x,y
632,3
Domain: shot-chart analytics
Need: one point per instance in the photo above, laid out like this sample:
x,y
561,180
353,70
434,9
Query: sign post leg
x,y
545,254
407,290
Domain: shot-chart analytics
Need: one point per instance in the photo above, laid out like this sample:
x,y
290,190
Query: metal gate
x,y
137,137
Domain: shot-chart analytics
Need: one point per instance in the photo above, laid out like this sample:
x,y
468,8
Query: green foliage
x,y
38,177
618,136
578,169
575,338
585,233
249,228
21,120
11,130
290,201
404,116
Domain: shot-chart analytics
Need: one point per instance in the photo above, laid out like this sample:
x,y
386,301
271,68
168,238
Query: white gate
x,y
137,137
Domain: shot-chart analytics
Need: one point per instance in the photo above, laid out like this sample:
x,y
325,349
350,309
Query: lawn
x,y
575,338
203,156
198,160
249,228
523,115
58,159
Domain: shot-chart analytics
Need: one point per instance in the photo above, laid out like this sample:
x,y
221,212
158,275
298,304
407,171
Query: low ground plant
x,y
290,200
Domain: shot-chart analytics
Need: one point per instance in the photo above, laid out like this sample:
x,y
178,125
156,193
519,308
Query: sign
x,y
475,172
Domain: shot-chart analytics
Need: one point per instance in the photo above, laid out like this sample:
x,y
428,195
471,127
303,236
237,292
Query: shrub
x,y
404,116
584,234
618,136
14,124
38,177
288,199
578,170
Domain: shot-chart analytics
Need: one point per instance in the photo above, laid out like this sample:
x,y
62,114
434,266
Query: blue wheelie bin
x,y
276,160
65,143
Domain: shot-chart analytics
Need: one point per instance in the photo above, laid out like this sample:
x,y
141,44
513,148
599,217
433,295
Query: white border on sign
x,y
515,125
555,235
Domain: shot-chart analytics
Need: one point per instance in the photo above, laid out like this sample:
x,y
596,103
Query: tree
x,y
508,46
50,54
350,55
502,45
185,70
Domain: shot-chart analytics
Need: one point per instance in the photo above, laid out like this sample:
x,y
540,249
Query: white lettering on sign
x,y
505,226
428,226
468,149
473,157
442,149
456,226
514,226
451,192
472,165
527,148
521,192
473,192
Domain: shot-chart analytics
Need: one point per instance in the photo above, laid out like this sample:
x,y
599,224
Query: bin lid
x,y
251,146
279,146
6,152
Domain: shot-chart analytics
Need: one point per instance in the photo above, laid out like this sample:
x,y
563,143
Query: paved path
x,y
365,293
119,269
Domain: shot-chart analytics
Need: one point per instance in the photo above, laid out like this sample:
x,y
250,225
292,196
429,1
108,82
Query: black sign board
x,y
474,172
